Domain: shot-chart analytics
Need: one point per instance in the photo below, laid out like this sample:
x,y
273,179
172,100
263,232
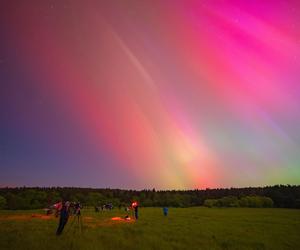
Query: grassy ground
x,y
184,228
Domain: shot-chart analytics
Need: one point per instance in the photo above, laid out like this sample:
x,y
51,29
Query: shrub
x,y
229,201
267,202
210,202
2,202
247,201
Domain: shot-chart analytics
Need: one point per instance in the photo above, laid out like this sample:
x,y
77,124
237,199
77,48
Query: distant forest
x,y
284,196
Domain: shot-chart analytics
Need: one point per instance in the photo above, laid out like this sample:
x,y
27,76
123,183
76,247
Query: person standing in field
x,y
57,206
165,211
135,206
64,216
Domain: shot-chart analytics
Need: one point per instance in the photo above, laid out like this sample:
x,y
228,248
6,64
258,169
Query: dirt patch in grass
x,y
42,217
27,217
87,218
94,223
15,217
88,221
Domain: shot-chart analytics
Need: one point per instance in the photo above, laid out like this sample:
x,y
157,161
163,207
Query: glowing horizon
x,y
150,94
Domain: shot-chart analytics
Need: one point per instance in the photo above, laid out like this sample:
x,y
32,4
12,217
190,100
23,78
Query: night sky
x,y
140,94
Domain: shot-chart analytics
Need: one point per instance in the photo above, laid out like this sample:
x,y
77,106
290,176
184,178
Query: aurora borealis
x,y
142,94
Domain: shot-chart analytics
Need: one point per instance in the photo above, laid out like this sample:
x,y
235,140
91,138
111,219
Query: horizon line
x,y
147,189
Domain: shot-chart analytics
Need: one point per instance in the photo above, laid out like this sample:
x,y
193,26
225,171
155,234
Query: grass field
x,y
184,228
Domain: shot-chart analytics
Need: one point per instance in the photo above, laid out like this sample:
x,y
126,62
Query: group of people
x,y
108,206
65,209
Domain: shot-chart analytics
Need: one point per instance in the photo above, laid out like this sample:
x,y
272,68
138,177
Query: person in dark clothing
x,y
77,209
64,216
135,206
136,212
165,210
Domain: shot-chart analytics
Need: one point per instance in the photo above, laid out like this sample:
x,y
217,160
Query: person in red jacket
x,y
57,206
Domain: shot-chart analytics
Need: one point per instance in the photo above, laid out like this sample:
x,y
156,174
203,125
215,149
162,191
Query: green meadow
x,y
184,228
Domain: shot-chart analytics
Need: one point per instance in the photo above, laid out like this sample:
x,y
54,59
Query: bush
x,y
2,202
256,201
53,197
247,201
229,201
95,199
267,202
16,202
210,202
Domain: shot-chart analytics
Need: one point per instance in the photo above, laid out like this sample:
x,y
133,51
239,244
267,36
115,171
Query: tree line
x,y
286,196
246,201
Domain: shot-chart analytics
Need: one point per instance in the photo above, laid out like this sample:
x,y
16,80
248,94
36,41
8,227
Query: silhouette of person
x,y
165,210
64,216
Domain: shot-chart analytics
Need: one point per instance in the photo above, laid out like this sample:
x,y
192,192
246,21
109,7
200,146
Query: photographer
x,y
77,209
64,216
135,207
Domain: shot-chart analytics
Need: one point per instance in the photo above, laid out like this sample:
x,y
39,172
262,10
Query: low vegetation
x,y
34,198
247,201
184,228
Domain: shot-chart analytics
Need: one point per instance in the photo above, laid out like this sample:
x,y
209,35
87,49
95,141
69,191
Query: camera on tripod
x,y
77,209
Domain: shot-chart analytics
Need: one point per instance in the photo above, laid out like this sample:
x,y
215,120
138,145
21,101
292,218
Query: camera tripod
x,y
76,223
